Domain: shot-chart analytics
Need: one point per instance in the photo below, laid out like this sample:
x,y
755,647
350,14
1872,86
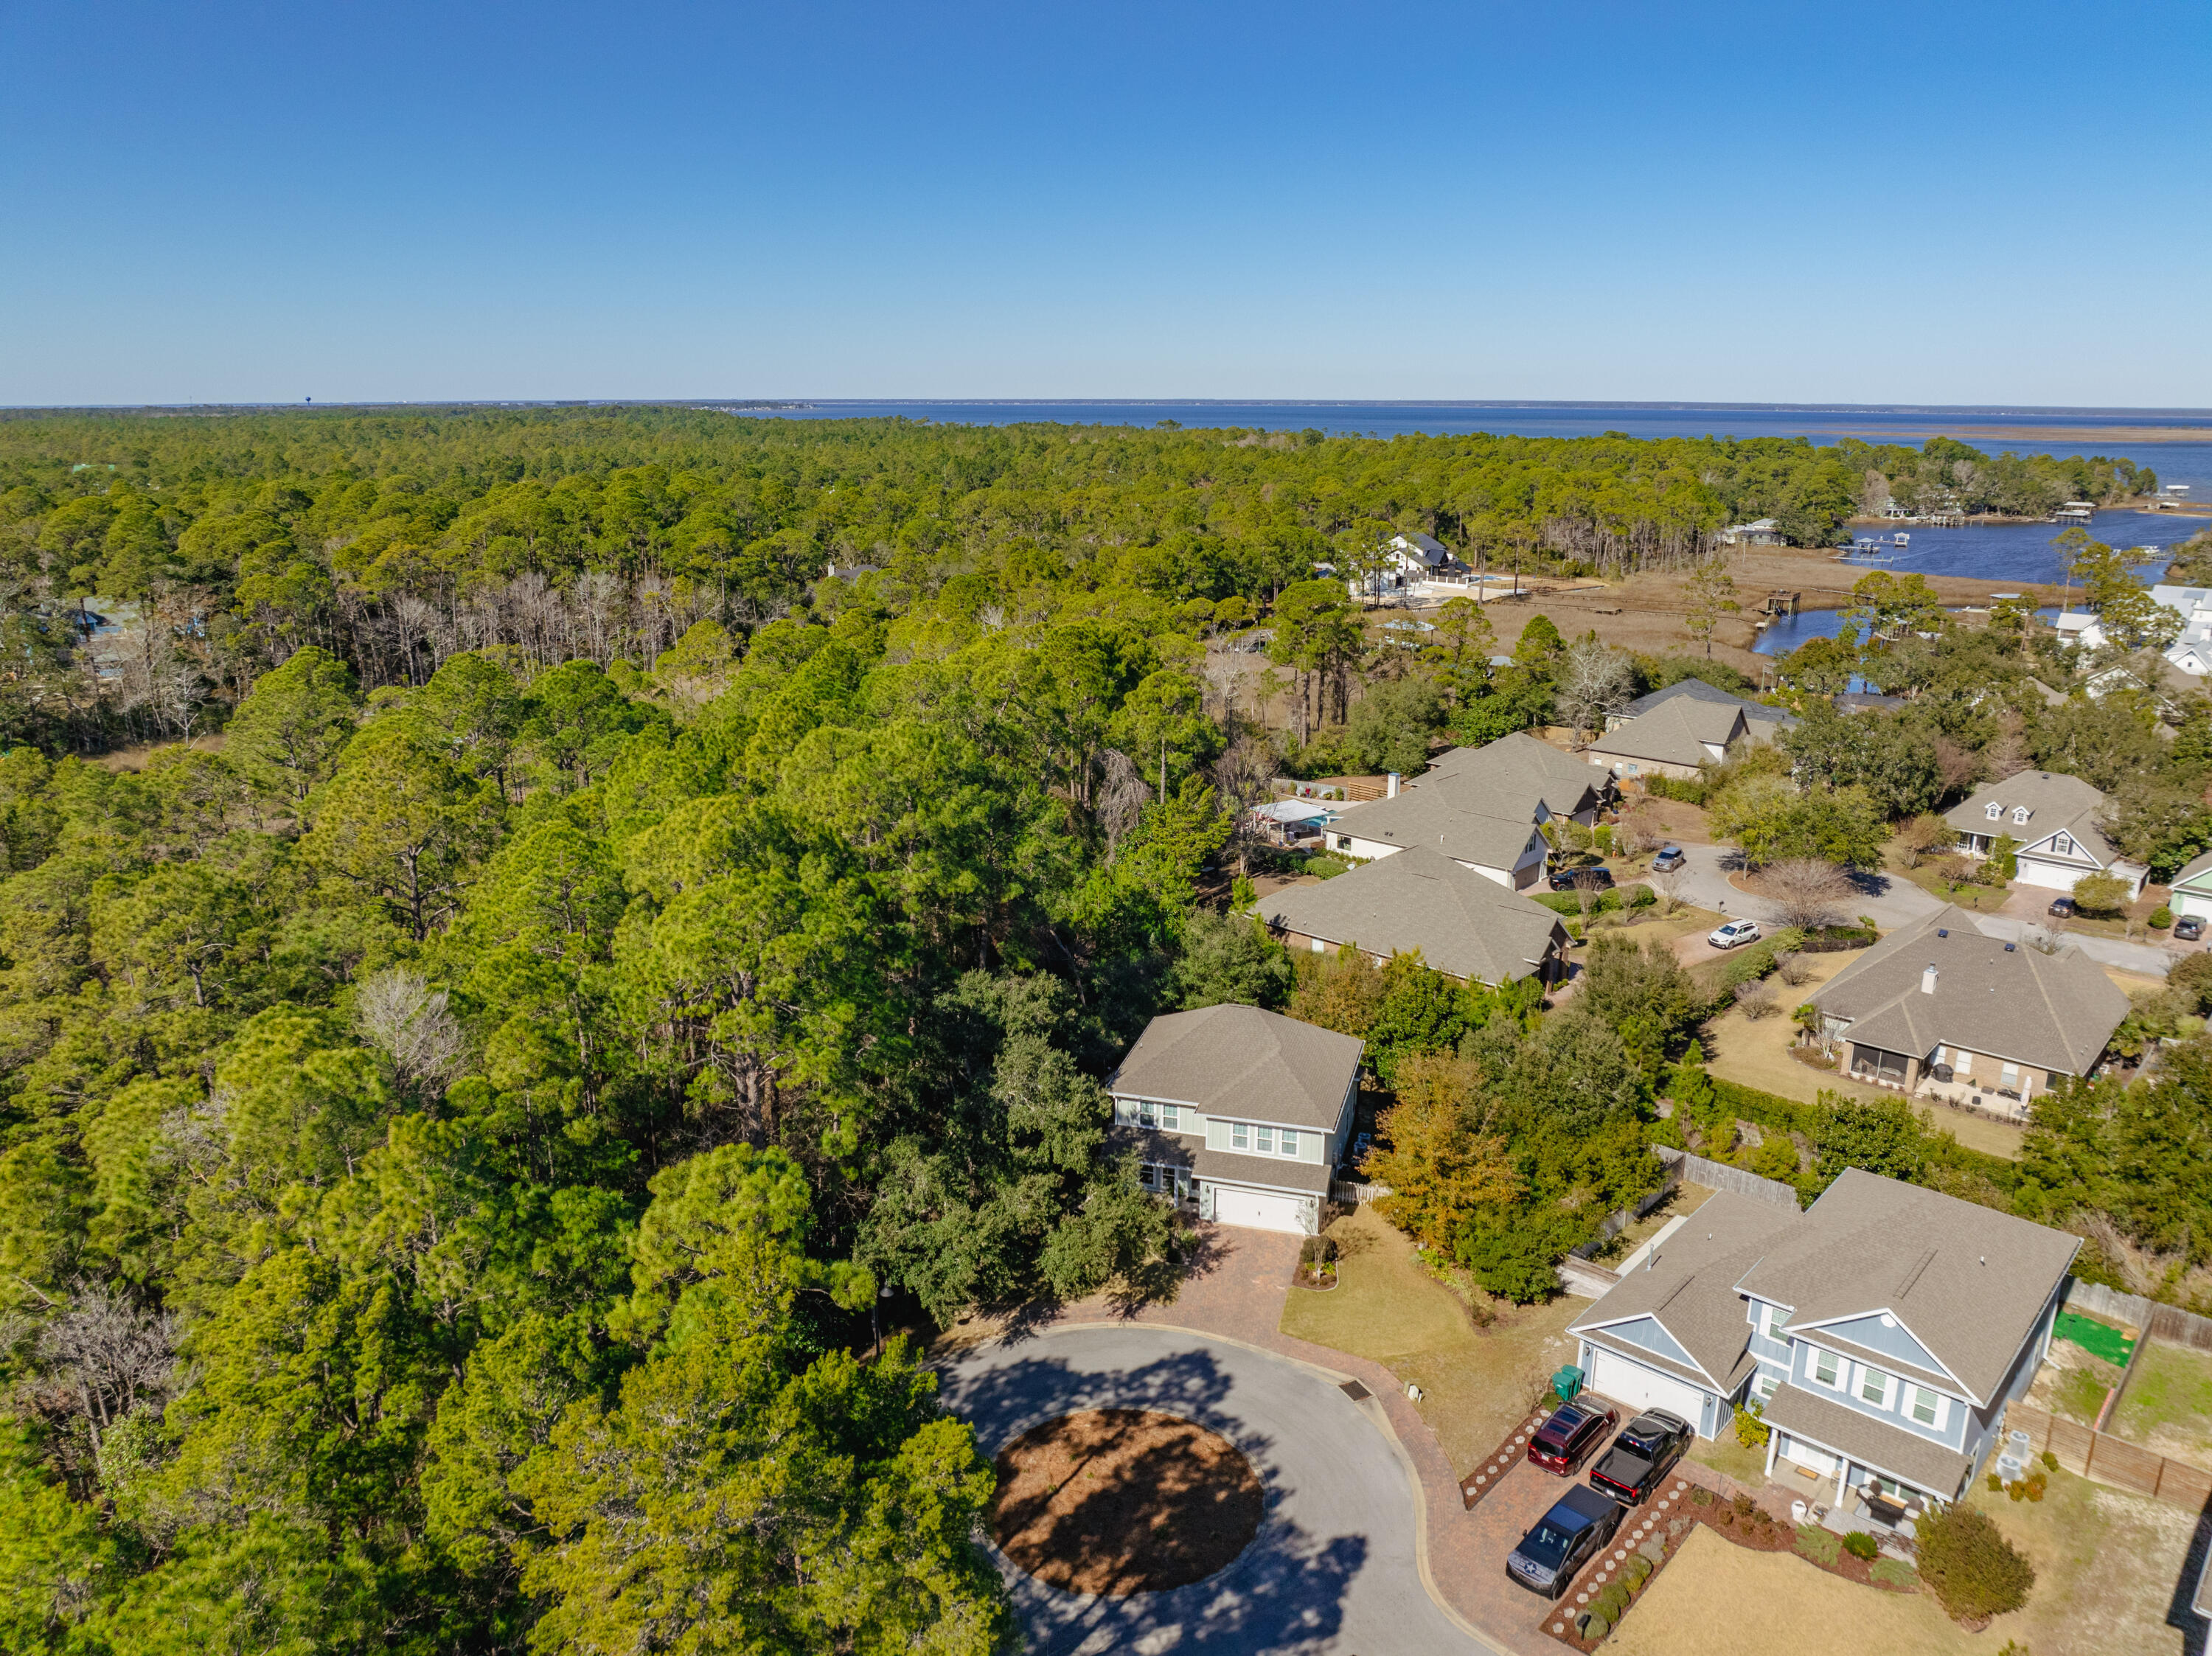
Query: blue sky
x,y
1937,202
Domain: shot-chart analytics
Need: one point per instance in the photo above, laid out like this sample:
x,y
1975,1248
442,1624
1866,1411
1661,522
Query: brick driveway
x,y
1235,1289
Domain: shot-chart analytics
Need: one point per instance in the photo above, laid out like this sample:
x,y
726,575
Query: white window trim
x,y
1993,812
2062,845
1252,1130
1842,1379
1861,1375
1915,1395
2019,813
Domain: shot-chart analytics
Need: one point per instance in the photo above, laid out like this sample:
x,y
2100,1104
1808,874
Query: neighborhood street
x,y
1891,902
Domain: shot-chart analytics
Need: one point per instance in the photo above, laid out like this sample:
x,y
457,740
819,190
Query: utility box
x,y
1567,1382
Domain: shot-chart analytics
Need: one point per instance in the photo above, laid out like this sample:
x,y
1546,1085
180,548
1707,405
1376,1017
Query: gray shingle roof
x,y
1698,690
1241,1061
2055,1011
1690,1287
1188,1151
1674,733
1462,922
2193,872
1518,765
1967,1282
1439,815
1902,1454
2054,801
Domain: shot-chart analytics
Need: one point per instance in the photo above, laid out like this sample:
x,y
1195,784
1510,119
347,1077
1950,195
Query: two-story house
x,y
1882,1331
1673,739
1937,1007
2052,820
1238,1113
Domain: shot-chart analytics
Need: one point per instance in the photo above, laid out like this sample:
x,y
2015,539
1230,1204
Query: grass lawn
x,y
2168,1403
1724,1454
2106,1567
2072,1383
1976,899
1758,1054
1478,1383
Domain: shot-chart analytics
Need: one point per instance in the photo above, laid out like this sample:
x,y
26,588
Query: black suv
x,y
1562,1540
1646,1449
1569,879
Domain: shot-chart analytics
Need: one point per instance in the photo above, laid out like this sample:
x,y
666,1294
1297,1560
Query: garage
x,y
2051,877
1639,1387
1259,1209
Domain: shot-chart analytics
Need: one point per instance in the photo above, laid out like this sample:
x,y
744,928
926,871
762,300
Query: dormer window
x,y
1993,810
2063,844
2019,813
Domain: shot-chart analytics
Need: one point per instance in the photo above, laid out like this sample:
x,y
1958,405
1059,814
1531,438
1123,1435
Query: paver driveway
x,y
1333,1566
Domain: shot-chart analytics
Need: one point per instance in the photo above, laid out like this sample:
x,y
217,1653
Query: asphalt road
x,y
1333,1566
1892,902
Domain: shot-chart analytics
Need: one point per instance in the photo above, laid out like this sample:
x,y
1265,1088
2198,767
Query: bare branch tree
x,y
400,1015
1807,892
112,1354
1122,798
1594,682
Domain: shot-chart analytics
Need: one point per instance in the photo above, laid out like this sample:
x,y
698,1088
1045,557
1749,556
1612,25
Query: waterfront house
x,y
1240,1114
2052,818
1882,1331
1461,922
1763,532
1938,1009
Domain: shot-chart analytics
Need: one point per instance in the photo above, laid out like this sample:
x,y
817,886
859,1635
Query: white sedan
x,y
1735,931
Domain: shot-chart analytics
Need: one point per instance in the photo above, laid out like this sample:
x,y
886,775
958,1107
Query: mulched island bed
x,y
1122,1500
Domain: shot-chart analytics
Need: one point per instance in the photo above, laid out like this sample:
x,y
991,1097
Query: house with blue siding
x,y
1882,1332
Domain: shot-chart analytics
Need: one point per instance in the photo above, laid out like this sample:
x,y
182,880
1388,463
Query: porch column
x,y
1843,1479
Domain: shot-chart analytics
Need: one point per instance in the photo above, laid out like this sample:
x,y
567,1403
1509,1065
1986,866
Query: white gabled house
x,y
2052,819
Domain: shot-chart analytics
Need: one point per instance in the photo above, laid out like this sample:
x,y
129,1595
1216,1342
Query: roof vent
x,y
1928,979
1942,933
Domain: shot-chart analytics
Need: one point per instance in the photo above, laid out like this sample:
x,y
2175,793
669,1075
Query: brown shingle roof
x,y
1674,733
2055,801
1474,824
1241,1061
2054,1012
1514,767
1690,1286
1865,1247
1901,1454
1461,922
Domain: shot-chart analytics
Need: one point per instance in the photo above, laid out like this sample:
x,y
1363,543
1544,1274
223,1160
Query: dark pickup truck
x,y
1644,1454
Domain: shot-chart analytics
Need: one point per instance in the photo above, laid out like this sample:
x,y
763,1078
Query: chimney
x,y
1390,787
1928,979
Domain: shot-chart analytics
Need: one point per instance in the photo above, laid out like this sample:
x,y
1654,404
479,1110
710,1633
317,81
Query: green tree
x,y
400,826
289,731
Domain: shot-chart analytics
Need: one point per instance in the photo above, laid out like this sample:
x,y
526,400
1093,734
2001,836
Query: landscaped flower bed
x,y
1652,1534
1491,1470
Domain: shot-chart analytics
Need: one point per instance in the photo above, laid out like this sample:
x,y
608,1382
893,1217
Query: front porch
x,y
1843,1494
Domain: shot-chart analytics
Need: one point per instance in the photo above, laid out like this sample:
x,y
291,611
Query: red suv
x,y
1574,1429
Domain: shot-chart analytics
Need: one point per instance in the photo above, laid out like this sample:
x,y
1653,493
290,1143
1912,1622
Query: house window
x,y
1148,1112
2009,1076
1240,1135
1926,1406
1344,842
2063,844
1766,1385
1770,1320
1289,1143
1828,1369
1318,946
1265,1145
2020,813
1962,1062
1874,1388
1993,811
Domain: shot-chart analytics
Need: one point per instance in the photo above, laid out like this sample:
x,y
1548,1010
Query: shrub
x,y
1974,1572
1756,999
2015,1491
2161,918
1640,896
1317,1250
1592,1626
1996,1484
2100,894
2035,1487
1700,1495
1637,1571
1752,1431
1893,1573
1820,1545
1610,1601
1745,1506
2050,1461
1860,1545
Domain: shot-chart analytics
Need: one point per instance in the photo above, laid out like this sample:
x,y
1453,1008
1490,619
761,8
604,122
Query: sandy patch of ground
x,y
2072,1383
1477,1382
1122,1500
2107,1565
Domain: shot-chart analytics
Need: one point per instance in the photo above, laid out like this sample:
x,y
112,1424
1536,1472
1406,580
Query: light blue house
x,y
1882,1332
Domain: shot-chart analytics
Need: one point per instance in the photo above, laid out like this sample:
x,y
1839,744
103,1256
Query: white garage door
x,y
2188,902
2051,877
1260,1209
1639,1387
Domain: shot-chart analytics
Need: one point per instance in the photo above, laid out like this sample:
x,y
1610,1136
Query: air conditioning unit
x,y
1942,1072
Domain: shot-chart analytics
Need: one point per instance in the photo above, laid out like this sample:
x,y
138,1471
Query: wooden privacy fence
x,y
2099,1455
2169,1323
1718,1175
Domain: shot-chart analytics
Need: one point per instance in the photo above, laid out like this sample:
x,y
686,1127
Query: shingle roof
x,y
1169,1149
1241,1061
1426,548
2194,871
1514,766
1439,815
1462,922
1902,1454
2054,801
1968,1282
2055,1011
1674,733
1698,690
1690,1287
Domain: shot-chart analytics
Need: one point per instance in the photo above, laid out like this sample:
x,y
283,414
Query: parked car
x,y
1644,1454
2189,928
1574,1429
1732,932
1566,879
1562,1541
1669,859
2062,907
